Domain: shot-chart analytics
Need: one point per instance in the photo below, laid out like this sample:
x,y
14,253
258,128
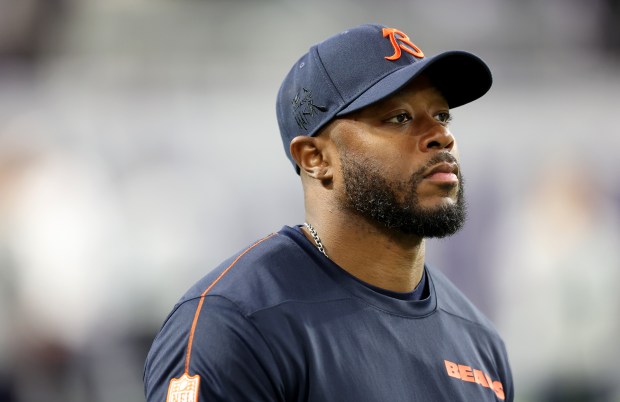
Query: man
x,y
344,308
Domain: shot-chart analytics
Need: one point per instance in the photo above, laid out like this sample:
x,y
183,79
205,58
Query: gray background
x,y
139,148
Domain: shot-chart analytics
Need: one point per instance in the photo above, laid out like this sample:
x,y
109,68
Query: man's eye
x,y
399,118
444,117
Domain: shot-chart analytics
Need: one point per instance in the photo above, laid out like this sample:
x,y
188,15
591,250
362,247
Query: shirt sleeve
x,y
228,355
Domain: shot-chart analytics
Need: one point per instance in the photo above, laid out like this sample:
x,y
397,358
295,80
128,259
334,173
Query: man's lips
x,y
443,172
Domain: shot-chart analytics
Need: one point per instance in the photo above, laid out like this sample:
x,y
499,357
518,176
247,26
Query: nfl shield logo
x,y
184,389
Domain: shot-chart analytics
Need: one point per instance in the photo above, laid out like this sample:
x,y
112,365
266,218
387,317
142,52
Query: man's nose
x,y
437,138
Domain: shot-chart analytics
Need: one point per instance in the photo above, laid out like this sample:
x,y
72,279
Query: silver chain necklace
x,y
316,238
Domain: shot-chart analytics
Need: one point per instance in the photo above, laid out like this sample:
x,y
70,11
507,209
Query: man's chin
x,y
438,220
437,204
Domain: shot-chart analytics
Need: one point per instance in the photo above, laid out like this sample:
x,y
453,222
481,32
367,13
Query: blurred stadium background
x,y
139,148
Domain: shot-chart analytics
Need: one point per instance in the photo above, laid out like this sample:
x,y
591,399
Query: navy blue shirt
x,y
281,322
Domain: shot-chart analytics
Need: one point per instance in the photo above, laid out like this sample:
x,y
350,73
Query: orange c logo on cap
x,y
405,44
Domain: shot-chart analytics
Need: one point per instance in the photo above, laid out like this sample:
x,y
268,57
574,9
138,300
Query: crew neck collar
x,y
379,298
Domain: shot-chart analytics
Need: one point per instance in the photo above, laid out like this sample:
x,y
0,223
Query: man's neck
x,y
384,258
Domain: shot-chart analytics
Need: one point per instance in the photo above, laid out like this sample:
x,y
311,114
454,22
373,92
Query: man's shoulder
x,y
263,274
453,301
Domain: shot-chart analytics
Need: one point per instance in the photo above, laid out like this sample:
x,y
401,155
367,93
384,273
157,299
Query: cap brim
x,y
460,76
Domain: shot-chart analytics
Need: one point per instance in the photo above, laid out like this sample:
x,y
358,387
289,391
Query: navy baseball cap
x,y
360,66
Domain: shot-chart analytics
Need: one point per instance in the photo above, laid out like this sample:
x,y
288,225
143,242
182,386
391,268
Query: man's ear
x,y
310,155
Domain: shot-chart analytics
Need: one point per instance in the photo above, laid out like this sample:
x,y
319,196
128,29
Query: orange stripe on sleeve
x,y
188,354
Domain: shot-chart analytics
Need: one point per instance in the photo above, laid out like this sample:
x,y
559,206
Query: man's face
x,y
399,165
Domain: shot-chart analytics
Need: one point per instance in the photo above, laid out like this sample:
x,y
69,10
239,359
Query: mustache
x,y
435,159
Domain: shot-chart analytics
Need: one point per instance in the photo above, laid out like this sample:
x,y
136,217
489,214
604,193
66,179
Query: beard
x,y
395,204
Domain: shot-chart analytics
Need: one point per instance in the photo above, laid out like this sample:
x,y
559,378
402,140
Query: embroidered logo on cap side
x,y
184,389
405,44
304,108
